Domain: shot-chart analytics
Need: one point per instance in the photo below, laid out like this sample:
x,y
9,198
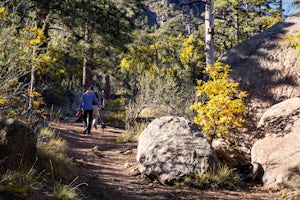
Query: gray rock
x,y
172,147
17,144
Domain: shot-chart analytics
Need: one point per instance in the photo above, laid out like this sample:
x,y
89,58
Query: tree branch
x,y
192,2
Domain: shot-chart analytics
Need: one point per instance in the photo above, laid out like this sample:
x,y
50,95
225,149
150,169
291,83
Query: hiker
x,y
96,114
86,103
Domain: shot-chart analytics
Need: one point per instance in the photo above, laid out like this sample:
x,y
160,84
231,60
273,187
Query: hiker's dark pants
x,y
88,118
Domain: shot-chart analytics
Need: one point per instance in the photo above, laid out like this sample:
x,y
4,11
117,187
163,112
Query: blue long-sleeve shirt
x,y
87,99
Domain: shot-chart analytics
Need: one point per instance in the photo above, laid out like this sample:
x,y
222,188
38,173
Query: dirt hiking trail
x,y
110,170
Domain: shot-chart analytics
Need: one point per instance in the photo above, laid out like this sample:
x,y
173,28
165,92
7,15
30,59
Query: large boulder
x,y
278,119
17,144
279,151
172,147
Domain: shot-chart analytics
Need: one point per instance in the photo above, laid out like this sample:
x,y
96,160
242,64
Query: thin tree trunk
x,y
86,75
209,32
32,78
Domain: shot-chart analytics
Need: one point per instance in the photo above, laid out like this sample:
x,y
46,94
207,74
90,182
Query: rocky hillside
x,y
266,66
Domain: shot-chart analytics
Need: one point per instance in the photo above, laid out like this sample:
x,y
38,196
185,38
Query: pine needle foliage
x,y
221,107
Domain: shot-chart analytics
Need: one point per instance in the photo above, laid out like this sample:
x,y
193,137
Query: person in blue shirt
x,y
88,98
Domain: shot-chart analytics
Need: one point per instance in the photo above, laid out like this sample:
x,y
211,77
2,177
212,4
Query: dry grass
x,y
223,178
67,192
15,184
53,149
45,178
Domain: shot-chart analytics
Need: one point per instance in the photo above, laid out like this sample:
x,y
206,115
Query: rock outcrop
x,y
279,119
266,66
17,144
279,151
172,147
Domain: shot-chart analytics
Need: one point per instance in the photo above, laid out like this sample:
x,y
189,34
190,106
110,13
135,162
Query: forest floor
x,y
110,173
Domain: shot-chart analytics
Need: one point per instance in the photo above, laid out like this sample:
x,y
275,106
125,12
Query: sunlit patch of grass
x,y
15,184
46,132
124,137
223,178
133,132
137,128
52,157
62,191
67,192
54,150
56,145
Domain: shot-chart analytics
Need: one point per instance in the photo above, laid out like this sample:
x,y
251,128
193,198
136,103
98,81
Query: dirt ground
x,y
109,170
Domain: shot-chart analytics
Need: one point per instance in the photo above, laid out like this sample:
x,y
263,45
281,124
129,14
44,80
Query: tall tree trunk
x,y
209,32
86,72
209,29
32,80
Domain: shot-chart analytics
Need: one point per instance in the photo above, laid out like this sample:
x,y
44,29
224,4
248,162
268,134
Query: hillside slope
x,y
266,66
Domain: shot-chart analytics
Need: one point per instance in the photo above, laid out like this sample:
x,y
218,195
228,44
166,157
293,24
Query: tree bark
x,y
86,71
32,79
209,32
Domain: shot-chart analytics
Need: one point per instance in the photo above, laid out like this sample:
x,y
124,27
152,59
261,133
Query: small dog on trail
x,y
103,126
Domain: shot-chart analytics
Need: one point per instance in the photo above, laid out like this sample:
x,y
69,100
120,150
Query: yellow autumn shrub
x,y
221,107
294,40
